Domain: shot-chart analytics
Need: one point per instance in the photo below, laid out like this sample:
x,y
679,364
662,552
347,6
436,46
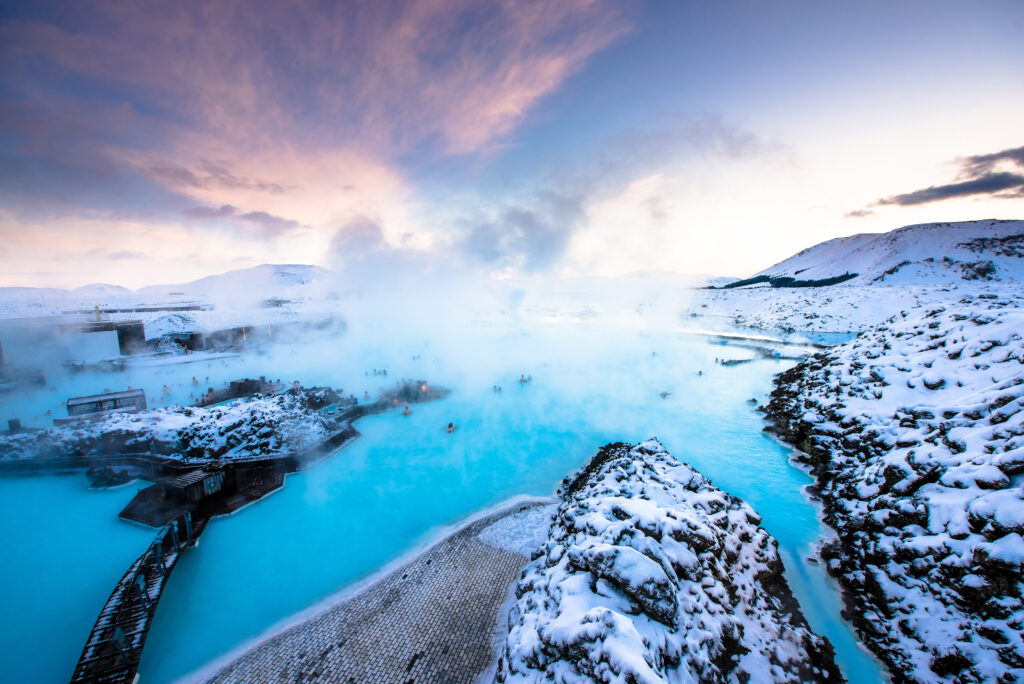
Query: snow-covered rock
x,y
915,433
651,574
262,425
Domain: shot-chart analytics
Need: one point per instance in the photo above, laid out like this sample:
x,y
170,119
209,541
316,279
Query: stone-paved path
x,y
430,621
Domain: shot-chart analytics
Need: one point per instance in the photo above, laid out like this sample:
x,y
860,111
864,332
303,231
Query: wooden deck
x,y
114,647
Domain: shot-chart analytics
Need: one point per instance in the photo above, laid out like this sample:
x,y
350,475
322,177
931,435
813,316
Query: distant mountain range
x,y
279,280
925,254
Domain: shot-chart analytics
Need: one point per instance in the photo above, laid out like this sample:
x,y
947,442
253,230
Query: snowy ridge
x,y
280,280
247,286
262,425
935,264
930,253
915,433
651,574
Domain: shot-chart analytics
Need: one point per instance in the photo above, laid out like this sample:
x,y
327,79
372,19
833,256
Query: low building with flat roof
x,y
100,405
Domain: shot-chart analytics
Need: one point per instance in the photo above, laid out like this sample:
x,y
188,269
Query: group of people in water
x,y
451,427
523,379
376,371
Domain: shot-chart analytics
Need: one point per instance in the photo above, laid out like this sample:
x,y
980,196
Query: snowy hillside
x,y
934,264
248,285
100,290
926,254
651,574
915,433
251,284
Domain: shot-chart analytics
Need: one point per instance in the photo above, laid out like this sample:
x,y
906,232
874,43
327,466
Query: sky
x,y
160,142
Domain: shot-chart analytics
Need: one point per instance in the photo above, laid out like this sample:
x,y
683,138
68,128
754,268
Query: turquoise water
x,y
406,478
64,549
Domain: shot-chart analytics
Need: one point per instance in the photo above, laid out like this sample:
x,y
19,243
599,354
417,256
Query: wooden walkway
x,y
114,648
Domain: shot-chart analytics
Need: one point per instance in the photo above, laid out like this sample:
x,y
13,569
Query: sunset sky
x,y
164,141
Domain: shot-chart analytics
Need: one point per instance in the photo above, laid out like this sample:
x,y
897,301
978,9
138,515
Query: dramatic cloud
x,y
986,163
392,75
996,175
268,225
988,184
313,111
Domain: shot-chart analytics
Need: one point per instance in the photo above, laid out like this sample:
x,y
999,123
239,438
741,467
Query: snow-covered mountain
x,y
100,290
267,280
925,254
870,277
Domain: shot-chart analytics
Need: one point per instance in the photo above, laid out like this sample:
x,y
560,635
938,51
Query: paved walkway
x,y
429,621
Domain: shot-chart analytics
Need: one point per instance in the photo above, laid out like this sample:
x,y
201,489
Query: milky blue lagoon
x,y
400,484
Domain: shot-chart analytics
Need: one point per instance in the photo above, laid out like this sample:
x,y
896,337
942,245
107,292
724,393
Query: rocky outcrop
x,y
651,574
256,426
915,434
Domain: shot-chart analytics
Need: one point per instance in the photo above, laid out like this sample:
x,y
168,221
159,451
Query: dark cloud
x,y
998,174
528,238
268,224
988,184
986,163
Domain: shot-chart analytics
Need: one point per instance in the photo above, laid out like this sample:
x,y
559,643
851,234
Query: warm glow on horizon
x,y
512,139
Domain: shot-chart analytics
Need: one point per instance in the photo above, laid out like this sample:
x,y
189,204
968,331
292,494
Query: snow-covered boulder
x,y
651,574
915,433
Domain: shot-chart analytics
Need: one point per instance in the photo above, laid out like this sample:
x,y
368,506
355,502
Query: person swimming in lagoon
x,y
407,411
450,428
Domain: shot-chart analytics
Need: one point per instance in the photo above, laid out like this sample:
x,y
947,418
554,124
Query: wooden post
x,y
140,587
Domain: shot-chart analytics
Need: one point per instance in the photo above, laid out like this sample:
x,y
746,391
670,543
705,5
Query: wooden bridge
x,y
114,648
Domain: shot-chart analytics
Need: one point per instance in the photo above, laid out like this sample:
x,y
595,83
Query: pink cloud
x,y
388,76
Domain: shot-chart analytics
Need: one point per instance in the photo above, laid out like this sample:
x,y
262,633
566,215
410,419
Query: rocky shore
x,y
914,432
260,425
651,574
